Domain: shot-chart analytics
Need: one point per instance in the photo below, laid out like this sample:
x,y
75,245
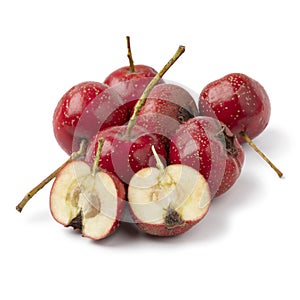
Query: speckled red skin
x,y
167,106
196,144
238,101
164,231
125,156
131,85
88,107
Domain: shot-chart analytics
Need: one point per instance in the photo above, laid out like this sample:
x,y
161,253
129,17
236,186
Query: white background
x,y
247,247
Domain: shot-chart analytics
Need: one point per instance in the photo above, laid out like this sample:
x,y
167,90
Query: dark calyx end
x,y
183,115
172,218
76,223
228,141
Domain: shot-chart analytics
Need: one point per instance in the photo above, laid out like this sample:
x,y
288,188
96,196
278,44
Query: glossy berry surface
x,y
130,85
208,146
238,101
166,107
83,110
123,155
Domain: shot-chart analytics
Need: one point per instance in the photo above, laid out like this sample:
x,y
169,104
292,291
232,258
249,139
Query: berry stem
x,y
159,163
250,142
74,155
97,157
138,106
129,55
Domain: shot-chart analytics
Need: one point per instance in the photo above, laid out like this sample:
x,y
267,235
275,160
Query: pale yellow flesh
x,y
98,216
151,191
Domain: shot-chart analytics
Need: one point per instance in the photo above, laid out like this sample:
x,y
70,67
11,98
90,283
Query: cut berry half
x,y
89,200
168,201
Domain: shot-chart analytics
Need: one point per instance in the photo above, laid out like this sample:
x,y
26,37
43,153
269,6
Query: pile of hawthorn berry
x,y
136,142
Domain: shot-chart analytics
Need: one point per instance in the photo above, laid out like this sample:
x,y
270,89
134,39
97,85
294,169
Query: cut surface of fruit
x,y
168,201
125,156
92,203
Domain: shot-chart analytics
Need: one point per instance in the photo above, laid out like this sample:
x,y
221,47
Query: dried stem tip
x,y
129,55
254,147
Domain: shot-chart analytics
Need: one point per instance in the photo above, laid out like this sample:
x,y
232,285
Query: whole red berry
x,y
239,101
124,155
131,84
83,110
208,146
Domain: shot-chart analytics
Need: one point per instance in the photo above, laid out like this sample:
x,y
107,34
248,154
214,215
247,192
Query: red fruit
x,y
88,107
125,155
242,104
103,109
166,107
130,85
87,199
168,201
209,146
238,101
127,149
131,81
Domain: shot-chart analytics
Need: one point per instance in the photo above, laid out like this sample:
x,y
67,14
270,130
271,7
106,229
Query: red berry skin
x,y
131,85
83,110
124,156
238,101
167,106
208,146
